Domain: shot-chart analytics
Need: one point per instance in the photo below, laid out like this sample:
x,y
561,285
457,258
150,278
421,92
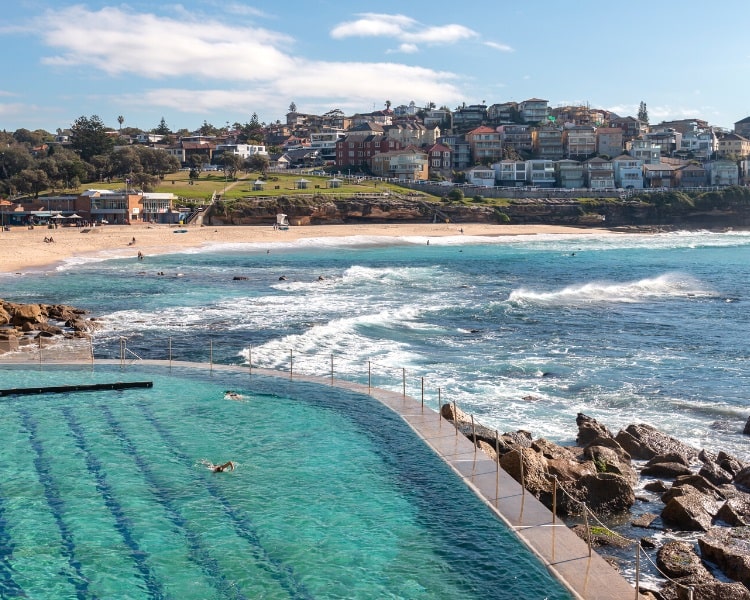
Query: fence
x,y
513,497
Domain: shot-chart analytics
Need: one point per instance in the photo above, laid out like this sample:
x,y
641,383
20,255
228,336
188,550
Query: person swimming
x,y
230,395
218,468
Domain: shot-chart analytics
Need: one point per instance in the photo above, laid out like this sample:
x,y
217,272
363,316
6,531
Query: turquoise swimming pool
x,y
104,495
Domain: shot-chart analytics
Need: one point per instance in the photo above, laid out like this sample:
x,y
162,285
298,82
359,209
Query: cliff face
x,y
318,210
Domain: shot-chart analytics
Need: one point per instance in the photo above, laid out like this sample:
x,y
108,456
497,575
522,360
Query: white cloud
x,y
403,28
498,46
405,49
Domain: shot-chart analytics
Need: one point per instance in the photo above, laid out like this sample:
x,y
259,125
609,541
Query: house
x,y
481,176
486,145
631,127
548,142
569,174
244,151
533,110
409,164
701,144
440,160
660,175
691,175
325,143
647,151
466,118
412,134
438,118
742,127
303,157
541,173
669,140
361,144
723,172
599,173
609,141
378,117
628,172
517,138
683,125
501,114
460,150
733,145
580,142
510,173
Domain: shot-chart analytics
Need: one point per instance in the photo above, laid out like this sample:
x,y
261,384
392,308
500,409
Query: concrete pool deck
x,y
566,556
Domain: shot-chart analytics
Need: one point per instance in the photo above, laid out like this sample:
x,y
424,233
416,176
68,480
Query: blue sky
x,y
222,61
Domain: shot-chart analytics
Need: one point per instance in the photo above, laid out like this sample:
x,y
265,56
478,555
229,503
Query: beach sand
x,y
23,249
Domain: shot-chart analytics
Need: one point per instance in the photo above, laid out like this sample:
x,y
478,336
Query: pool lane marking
x,y
196,552
280,572
9,588
56,504
94,466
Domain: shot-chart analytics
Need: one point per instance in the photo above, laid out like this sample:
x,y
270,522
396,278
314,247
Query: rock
x,y
608,460
728,549
729,463
644,520
678,559
645,442
742,479
704,588
588,429
605,493
700,484
735,511
746,431
23,313
599,536
658,486
535,478
5,317
715,474
668,470
550,450
669,457
691,511
239,278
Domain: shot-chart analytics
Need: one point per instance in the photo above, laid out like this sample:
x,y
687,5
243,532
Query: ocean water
x,y
106,495
522,331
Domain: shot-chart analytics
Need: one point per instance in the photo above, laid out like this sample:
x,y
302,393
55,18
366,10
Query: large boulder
x,y
26,313
742,479
678,559
728,549
645,442
704,588
690,511
746,431
532,475
666,470
609,460
735,511
589,428
714,473
605,493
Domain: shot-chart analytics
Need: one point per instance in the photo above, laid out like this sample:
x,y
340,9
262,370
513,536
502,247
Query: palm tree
x,y
120,120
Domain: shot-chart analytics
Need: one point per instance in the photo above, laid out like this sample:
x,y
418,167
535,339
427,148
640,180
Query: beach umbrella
x,y
75,216
57,216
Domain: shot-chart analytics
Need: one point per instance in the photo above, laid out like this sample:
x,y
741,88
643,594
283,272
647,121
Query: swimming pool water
x,y
103,495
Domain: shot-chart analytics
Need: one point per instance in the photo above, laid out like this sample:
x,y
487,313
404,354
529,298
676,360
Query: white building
x,y
628,172
241,150
482,176
540,173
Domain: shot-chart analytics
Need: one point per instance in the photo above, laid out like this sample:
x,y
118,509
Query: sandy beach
x,y
23,249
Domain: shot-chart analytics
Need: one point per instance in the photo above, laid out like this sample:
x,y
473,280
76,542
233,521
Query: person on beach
x,y
140,255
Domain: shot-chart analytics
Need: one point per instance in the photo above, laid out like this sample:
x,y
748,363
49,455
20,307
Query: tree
x,y
257,162
387,105
89,137
232,163
162,129
643,112
120,120
292,108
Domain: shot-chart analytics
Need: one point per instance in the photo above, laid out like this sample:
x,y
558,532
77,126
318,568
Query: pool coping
x,y
584,573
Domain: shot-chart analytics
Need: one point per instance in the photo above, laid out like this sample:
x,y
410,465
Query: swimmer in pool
x,y
218,468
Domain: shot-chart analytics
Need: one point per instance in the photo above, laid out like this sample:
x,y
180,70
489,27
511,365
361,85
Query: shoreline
x,y
25,250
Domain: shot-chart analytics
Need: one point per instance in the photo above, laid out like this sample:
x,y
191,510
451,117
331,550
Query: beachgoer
x,y
132,241
140,255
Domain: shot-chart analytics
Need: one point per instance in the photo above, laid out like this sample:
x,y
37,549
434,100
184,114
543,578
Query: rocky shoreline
x,y
696,491
27,325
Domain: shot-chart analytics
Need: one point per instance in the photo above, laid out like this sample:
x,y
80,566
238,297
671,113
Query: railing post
x,y
91,347
403,382
554,500
369,376
473,434
122,350
523,475
250,359
422,393
170,352
588,530
210,355
637,568
440,410
497,466
291,363
455,417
